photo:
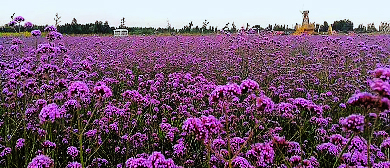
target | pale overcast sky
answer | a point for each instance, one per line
(156, 13)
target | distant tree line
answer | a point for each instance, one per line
(90, 28)
(344, 26)
(8, 29)
(100, 27)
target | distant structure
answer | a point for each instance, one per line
(330, 30)
(121, 32)
(306, 27)
(305, 17)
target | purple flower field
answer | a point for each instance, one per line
(225, 100)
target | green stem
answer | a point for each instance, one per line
(81, 150)
(342, 151)
(80, 139)
(208, 156)
(284, 158)
(369, 143)
(228, 134)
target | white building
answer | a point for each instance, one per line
(121, 32)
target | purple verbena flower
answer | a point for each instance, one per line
(19, 19)
(48, 144)
(28, 25)
(53, 35)
(179, 149)
(73, 151)
(381, 87)
(133, 95)
(20, 143)
(74, 165)
(5, 152)
(354, 122)
(138, 163)
(103, 91)
(240, 162)
(264, 104)
(78, 89)
(50, 112)
(248, 84)
(36, 33)
(386, 143)
(262, 153)
(50, 28)
(41, 161)
(14, 48)
(295, 159)
(12, 23)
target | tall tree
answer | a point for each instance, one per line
(269, 28)
(317, 28)
(371, 28)
(360, 29)
(106, 28)
(190, 26)
(257, 28)
(74, 21)
(324, 27)
(57, 20)
(343, 25)
(204, 26)
(75, 27)
(226, 27)
(234, 28)
(169, 27)
(122, 23)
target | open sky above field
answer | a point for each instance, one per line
(157, 13)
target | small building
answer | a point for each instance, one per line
(121, 32)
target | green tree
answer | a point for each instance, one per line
(234, 28)
(371, 28)
(343, 25)
(279, 27)
(360, 29)
(57, 20)
(122, 26)
(324, 27)
(75, 27)
(317, 28)
(204, 26)
(269, 28)
(226, 28)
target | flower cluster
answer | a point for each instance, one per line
(262, 153)
(137, 101)
(19, 19)
(73, 151)
(36, 33)
(102, 90)
(202, 127)
(53, 35)
(50, 28)
(248, 84)
(41, 161)
(222, 91)
(50, 113)
(28, 25)
(156, 159)
(354, 122)
(78, 89)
